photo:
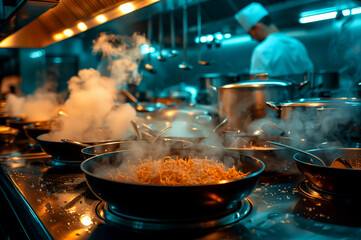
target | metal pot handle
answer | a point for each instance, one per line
(302, 84)
(274, 106)
(213, 88)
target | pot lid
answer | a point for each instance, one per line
(322, 102)
(259, 84)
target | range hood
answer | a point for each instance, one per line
(39, 23)
(16, 14)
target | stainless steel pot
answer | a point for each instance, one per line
(207, 82)
(243, 102)
(321, 119)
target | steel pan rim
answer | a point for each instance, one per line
(85, 162)
(85, 150)
(321, 166)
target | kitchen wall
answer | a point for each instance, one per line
(232, 56)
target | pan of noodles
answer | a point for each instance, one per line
(181, 185)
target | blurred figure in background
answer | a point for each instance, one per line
(276, 54)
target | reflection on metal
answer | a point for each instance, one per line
(69, 18)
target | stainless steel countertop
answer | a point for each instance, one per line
(55, 203)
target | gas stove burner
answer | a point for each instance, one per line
(144, 224)
(309, 190)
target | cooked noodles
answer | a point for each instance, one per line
(176, 172)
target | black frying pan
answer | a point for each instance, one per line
(341, 181)
(62, 151)
(171, 202)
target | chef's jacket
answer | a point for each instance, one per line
(280, 55)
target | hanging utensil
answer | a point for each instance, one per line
(173, 52)
(160, 38)
(184, 65)
(148, 65)
(199, 33)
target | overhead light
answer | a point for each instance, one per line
(68, 32)
(318, 17)
(346, 12)
(355, 11)
(328, 13)
(126, 8)
(101, 18)
(58, 36)
(82, 26)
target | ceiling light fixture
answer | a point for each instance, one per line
(318, 17)
(126, 8)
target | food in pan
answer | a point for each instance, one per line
(176, 172)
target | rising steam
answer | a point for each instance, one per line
(122, 55)
(41, 106)
(92, 112)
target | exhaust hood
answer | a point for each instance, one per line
(15, 14)
(39, 23)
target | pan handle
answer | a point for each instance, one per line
(273, 105)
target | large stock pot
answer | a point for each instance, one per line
(243, 102)
(321, 119)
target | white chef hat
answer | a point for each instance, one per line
(250, 15)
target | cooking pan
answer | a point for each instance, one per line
(339, 181)
(33, 130)
(173, 203)
(276, 159)
(19, 123)
(166, 143)
(62, 151)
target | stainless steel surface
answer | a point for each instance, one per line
(55, 203)
(244, 102)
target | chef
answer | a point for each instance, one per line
(276, 54)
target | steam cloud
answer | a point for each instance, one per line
(41, 106)
(122, 55)
(92, 113)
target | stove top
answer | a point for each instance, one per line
(53, 202)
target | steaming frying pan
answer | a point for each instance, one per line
(131, 144)
(171, 202)
(339, 181)
(61, 151)
(276, 159)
